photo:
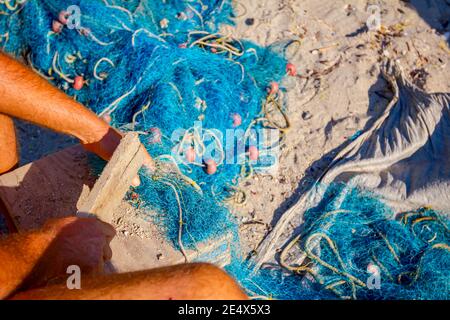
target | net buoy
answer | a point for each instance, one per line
(253, 153)
(62, 17)
(211, 166)
(78, 83)
(237, 120)
(273, 88)
(57, 26)
(291, 69)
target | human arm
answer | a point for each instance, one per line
(32, 258)
(27, 96)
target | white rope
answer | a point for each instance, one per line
(96, 76)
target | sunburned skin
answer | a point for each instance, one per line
(33, 265)
(9, 157)
(27, 96)
(197, 281)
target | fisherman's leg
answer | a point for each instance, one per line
(9, 156)
(189, 281)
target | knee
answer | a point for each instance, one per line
(213, 283)
(9, 155)
(9, 161)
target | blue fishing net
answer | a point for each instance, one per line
(160, 68)
(355, 247)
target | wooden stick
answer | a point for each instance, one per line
(115, 180)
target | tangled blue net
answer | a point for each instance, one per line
(354, 248)
(162, 69)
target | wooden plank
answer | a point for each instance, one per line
(115, 180)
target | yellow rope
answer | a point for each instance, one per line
(273, 101)
(352, 280)
(336, 252)
(390, 248)
(180, 221)
(220, 42)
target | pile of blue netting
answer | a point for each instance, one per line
(161, 68)
(355, 247)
